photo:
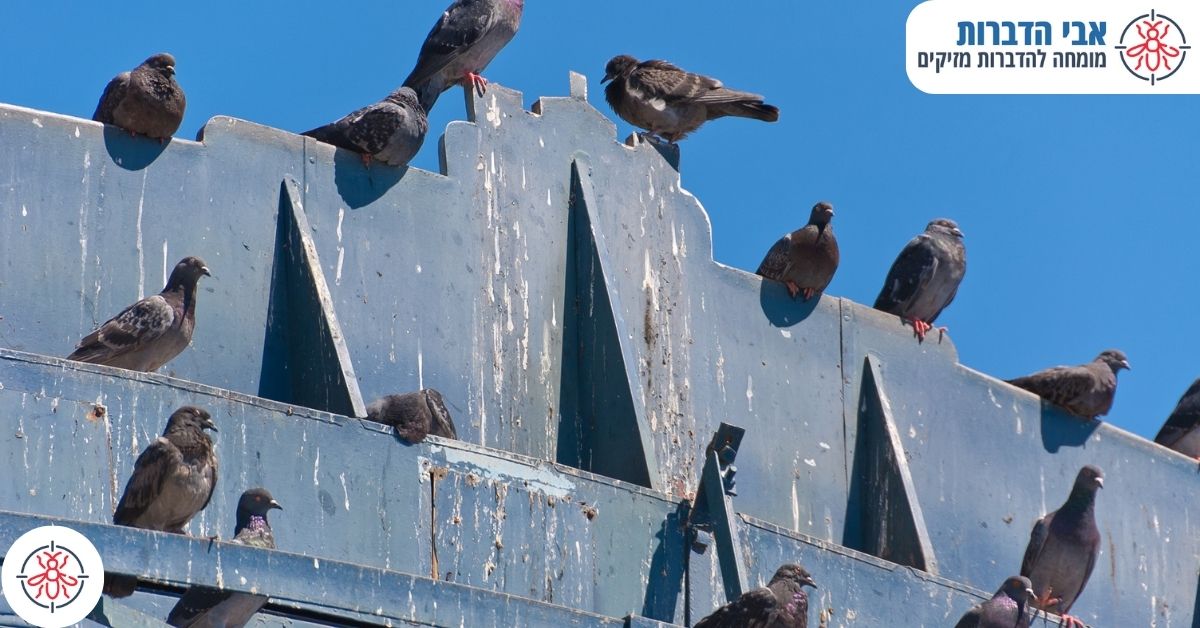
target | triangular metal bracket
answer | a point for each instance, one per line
(893, 523)
(713, 514)
(306, 361)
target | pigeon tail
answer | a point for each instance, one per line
(116, 586)
(427, 93)
(756, 110)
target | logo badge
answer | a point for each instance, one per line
(52, 576)
(1153, 47)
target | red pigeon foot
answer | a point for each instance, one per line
(1072, 622)
(808, 293)
(920, 328)
(366, 159)
(478, 82)
(793, 289)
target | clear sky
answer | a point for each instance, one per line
(1080, 213)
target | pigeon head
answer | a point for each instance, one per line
(620, 65)
(256, 502)
(795, 573)
(162, 62)
(1018, 588)
(1089, 479)
(821, 214)
(190, 418)
(1115, 360)
(944, 226)
(187, 272)
(406, 97)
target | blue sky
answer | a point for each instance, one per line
(1080, 212)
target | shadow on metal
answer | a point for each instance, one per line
(780, 308)
(360, 185)
(131, 152)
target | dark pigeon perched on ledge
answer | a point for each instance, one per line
(391, 130)
(1063, 548)
(1086, 391)
(206, 606)
(925, 276)
(151, 332)
(805, 259)
(461, 45)
(783, 603)
(146, 101)
(173, 480)
(1006, 609)
(1181, 432)
(670, 102)
(414, 415)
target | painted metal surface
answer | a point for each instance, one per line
(558, 287)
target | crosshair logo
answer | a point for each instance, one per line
(52, 576)
(1153, 47)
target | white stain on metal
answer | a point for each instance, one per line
(501, 470)
(164, 266)
(493, 112)
(337, 278)
(141, 255)
(345, 492)
(785, 333)
(810, 462)
(795, 508)
(24, 212)
(317, 468)
(420, 366)
(83, 233)
(37, 122)
(750, 393)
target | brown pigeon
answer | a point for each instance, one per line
(391, 130)
(806, 258)
(470, 34)
(783, 603)
(1086, 391)
(925, 277)
(415, 415)
(1063, 548)
(151, 332)
(145, 101)
(173, 480)
(670, 102)
(1006, 609)
(206, 606)
(1181, 432)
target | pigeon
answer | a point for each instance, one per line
(172, 481)
(669, 102)
(1085, 391)
(925, 277)
(1063, 548)
(1182, 429)
(415, 415)
(1006, 609)
(783, 603)
(145, 101)
(209, 607)
(151, 332)
(461, 45)
(391, 130)
(806, 258)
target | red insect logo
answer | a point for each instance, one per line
(1153, 47)
(1152, 51)
(52, 576)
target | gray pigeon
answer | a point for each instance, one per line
(806, 258)
(1086, 391)
(415, 415)
(209, 607)
(461, 45)
(1182, 429)
(1063, 548)
(1006, 609)
(146, 101)
(173, 480)
(151, 332)
(669, 102)
(783, 603)
(391, 130)
(925, 277)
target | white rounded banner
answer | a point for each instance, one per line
(1061, 47)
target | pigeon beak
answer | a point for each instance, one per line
(1031, 594)
(1100, 482)
(209, 425)
(204, 271)
(809, 581)
(957, 232)
(1125, 363)
(275, 504)
(607, 78)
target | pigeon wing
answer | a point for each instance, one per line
(461, 26)
(1060, 385)
(775, 264)
(911, 271)
(661, 80)
(1184, 419)
(441, 423)
(1037, 540)
(132, 329)
(113, 94)
(754, 609)
(366, 130)
(971, 619)
(145, 485)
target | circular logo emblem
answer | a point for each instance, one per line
(52, 576)
(1153, 47)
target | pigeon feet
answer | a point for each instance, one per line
(920, 328)
(366, 159)
(477, 82)
(1071, 622)
(793, 289)
(809, 292)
